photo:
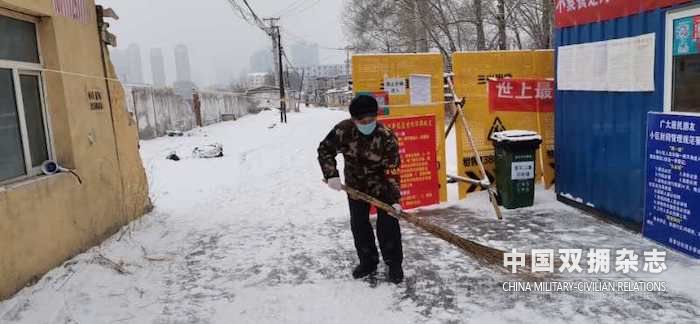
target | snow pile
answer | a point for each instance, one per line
(516, 136)
(256, 237)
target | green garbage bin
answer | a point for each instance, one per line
(515, 167)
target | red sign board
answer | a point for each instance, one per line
(419, 166)
(580, 12)
(521, 95)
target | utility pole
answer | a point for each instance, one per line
(347, 65)
(283, 99)
(271, 29)
(274, 32)
(301, 90)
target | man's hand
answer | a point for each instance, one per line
(335, 184)
(397, 207)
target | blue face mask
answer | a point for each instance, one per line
(368, 128)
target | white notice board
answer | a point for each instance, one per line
(619, 65)
(421, 89)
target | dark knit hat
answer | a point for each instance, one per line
(363, 106)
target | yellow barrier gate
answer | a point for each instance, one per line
(472, 72)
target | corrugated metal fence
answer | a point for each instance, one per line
(160, 110)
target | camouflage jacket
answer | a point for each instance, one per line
(371, 161)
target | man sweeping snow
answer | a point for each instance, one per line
(372, 160)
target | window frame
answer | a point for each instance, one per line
(671, 17)
(18, 69)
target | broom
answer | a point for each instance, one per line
(484, 254)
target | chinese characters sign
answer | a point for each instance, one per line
(395, 86)
(672, 215)
(95, 99)
(580, 12)
(419, 167)
(522, 170)
(521, 95)
(596, 261)
(686, 36)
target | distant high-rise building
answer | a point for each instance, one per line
(261, 61)
(182, 63)
(305, 54)
(134, 71)
(158, 67)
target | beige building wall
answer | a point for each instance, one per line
(48, 219)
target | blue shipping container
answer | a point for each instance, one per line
(601, 136)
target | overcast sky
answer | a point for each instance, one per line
(220, 42)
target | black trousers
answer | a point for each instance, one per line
(388, 233)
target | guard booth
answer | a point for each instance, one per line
(616, 62)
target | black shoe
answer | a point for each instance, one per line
(395, 274)
(362, 271)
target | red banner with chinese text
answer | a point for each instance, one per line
(419, 167)
(521, 95)
(580, 12)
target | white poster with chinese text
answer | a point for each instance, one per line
(395, 86)
(619, 65)
(420, 85)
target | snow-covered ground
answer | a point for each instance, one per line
(255, 237)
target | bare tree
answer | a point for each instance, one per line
(372, 26)
(479, 23)
(500, 17)
(448, 25)
(535, 20)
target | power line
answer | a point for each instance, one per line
(294, 4)
(248, 15)
(301, 9)
(273, 30)
(255, 16)
(239, 12)
(299, 6)
(257, 22)
(300, 38)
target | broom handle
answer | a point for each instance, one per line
(374, 201)
(482, 252)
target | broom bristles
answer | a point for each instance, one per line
(488, 255)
